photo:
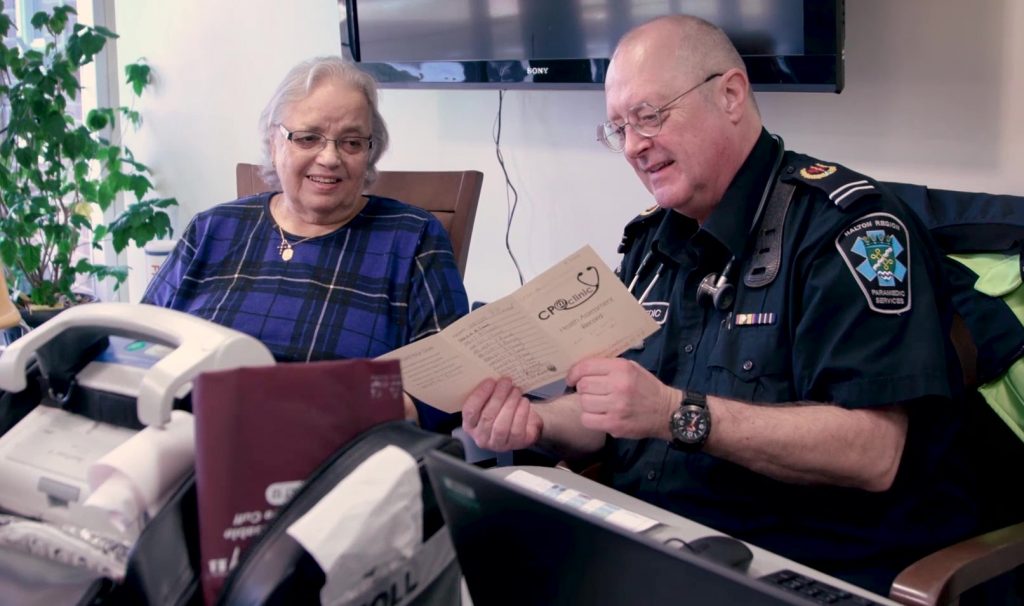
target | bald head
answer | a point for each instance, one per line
(689, 47)
(689, 77)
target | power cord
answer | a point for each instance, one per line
(511, 201)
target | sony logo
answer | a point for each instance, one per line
(537, 71)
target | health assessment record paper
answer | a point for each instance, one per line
(575, 310)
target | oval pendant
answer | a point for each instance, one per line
(286, 254)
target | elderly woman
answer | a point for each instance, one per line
(317, 270)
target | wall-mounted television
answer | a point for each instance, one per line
(788, 45)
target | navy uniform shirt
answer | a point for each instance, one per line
(857, 316)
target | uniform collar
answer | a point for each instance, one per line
(673, 234)
(730, 221)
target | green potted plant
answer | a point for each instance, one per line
(58, 177)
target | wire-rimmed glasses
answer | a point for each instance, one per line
(645, 119)
(312, 141)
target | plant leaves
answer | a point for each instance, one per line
(137, 74)
(104, 31)
(40, 20)
(29, 257)
(5, 26)
(59, 21)
(52, 169)
(105, 195)
(119, 239)
(74, 49)
(140, 185)
(97, 119)
(8, 251)
(98, 233)
(91, 44)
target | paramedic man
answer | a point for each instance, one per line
(821, 405)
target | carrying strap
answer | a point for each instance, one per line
(966, 222)
(763, 267)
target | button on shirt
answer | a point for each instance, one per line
(816, 341)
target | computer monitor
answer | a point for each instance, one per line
(519, 547)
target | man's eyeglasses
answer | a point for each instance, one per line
(645, 119)
(311, 141)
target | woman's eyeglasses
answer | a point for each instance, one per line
(312, 141)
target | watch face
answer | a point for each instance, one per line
(691, 424)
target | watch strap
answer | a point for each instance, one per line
(695, 398)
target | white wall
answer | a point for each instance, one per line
(214, 63)
(933, 95)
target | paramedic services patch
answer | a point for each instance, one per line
(877, 251)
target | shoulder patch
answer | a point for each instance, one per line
(876, 249)
(639, 223)
(842, 185)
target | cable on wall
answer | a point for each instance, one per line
(511, 199)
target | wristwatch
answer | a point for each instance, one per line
(690, 424)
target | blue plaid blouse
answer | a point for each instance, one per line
(384, 279)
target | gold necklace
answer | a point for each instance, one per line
(285, 248)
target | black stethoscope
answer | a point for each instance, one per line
(715, 290)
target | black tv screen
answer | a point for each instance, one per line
(788, 45)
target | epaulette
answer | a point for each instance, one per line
(638, 224)
(842, 185)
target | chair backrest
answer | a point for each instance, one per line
(452, 197)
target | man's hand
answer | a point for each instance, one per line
(498, 417)
(621, 398)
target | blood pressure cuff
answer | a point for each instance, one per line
(27, 579)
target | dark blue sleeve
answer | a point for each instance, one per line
(433, 419)
(168, 279)
(437, 296)
(856, 345)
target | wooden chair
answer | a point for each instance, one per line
(452, 197)
(942, 577)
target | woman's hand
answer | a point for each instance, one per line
(499, 418)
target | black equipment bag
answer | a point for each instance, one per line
(277, 570)
(964, 222)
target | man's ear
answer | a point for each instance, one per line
(733, 93)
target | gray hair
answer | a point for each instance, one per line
(297, 85)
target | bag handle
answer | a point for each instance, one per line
(200, 346)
